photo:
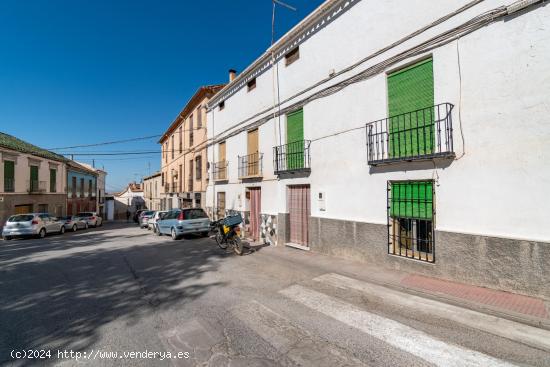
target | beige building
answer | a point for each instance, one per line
(184, 173)
(152, 186)
(32, 179)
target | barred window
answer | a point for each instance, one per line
(411, 216)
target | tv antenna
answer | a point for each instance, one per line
(283, 4)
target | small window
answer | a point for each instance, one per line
(292, 56)
(411, 219)
(221, 106)
(251, 84)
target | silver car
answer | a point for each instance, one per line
(32, 224)
(91, 218)
(183, 221)
(144, 218)
(73, 223)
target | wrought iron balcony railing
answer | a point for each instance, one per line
(292, 157)
(166, 188)
(9, 184)
(174, 187)
(219, 171)
(422, 134)
(190, 183)
(250, 165)
(36, 187)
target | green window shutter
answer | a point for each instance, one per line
(53, 180)
(295, 140)
(412, 199)
(9, 176)
(34, 178)
(411, 89)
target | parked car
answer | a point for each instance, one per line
(73, 223)
(32, 224)
(178, 222)
(145, 217)
(153, 222)
(91, 218)
(137, 214)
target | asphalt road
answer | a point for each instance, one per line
(106, 293)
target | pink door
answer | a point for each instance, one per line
(255, 210)
(299, 211)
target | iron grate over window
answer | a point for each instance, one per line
(219, 171)
(422, 134)
(411, 219)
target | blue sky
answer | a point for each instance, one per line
(83, 72)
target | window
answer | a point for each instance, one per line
(43, 208)
(198, 168)
(180, 176)
(162, 179)
(73, 188)
(166, 152)
(90, 187)
(181, 139)
(221, 106)
(173, 146)
(411, 118)
(81, 188)
(251, 84)
(292, 56)
(411, 219)
(191, 127)
(34, 179)
(53, 180)
(199, 117)
(9, 176)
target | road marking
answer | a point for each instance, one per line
(529, 335)
(398, 335)
(293, 342)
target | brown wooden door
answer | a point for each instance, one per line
(252, 160)
(222, 174)
(299, 208)
(255, 212)
(221, 204)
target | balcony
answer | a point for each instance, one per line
(418, 135)
(174, 187)
(250, 166)
(292, 157)
(219, 171)
(190, 184)
(166, 188)
(9, 184)
(36, 187)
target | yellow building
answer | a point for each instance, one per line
(184, 174)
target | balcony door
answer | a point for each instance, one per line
(410, 107)
(34, 178)
(252, 161)
(221, 156)
(295, 140)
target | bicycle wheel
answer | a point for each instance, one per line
(220, 241)
(238, 246)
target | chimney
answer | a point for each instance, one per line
(232, 74)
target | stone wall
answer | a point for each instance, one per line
(506, 264)
(9, 201)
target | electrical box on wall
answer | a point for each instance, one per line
(322, 201)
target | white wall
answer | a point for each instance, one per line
(499, 187)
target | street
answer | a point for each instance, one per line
(120, 289)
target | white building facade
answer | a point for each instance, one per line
(410, 135)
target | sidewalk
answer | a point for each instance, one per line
(520, 308)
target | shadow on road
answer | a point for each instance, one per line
(57, 293)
